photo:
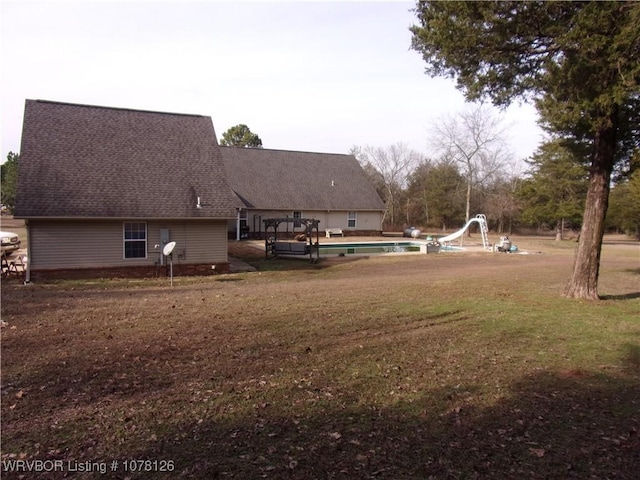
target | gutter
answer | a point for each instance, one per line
(238, 224)
(142, 219)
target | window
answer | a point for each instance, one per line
(351, 220)
(297, 215)
(243, 224)
(135, 240)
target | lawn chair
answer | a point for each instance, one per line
(18, 267)
(5, 266)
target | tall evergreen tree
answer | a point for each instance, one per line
(437, 192)
(624, 208)
(579, 60)
(556, 188)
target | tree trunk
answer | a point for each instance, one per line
(391, 208)
(426, 212)
(407, 213)
(467, 214)
(559, 229)
(584, 280)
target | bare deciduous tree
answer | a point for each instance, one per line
(475, 140)
(394, 164)
(501, 204)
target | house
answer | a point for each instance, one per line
(104, 189)
(331, 188)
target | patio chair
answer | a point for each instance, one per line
(18, 267)
(5, 266)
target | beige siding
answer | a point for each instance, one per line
(364, 220)
(196, 242)
(90, 244)
(335, 219)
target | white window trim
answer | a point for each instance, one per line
(354, 218)
(125, 240)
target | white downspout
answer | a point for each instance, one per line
(27, 275)
(238, 224)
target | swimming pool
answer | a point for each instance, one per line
(363, 248)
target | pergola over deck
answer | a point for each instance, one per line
(274, 247)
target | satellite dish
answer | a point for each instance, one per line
(168, 248)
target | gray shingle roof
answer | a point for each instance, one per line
(87, 161)
(288, 180)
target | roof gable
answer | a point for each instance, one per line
(289, 180)
(88, 161)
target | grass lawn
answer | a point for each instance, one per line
(452, 366)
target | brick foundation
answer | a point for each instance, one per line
(362, 233)
(128, 272)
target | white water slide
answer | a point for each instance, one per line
(481, 220)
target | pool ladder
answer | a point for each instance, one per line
(484, 230)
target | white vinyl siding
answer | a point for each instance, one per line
(91, 244)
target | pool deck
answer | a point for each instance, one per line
(469, 245)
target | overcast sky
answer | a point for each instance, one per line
(311, 76)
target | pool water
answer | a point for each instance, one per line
(355, 248)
